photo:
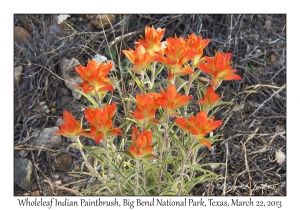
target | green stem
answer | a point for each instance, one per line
(143, 82)
(87, 162)
(183, 165)
(194, 155)
(153, 75)
(98, 100)
(189, 84)
(137, 162)
(162, 153)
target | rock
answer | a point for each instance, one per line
(55, 176)
(63, 162)
(101, 21)
(273, 58)
(59, 122)
(21, 35)
(71, 77)
(65, 100)
(279, 157)
(258, 51)
(23, 173)
(18, 74)
(47, 138)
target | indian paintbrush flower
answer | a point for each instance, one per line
(152, 39)
(142, 142)
(197, 44)
(140, 58)
(71, 127)
(170, 100)
(210, 99)
(146, 107)
(100, 121)
(219, 68)
(95, 77)
(199, 126)
(176, 55)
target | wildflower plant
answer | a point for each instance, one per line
(154, 151)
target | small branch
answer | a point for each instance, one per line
(247, 168)
(276, 92)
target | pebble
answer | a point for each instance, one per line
(63, 162)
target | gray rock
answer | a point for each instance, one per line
(47, 138)
(71, 77)
(63, 162)
(23, 173)
(65, 100)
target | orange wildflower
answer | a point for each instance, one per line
(210, 99)
(199, 126)
(219, 67)
(95, 77)
(71, 127)
(171, 100)
(142, 142)
(177, 54)
(197, 44)
(140, 58)
(146, 107)
(152, 39)
(100, 121)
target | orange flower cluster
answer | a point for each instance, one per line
(209, 99)
(176, 55)
(142, 142)
(180, 56)
(199, 126)
(71, 127)
(95, 77)
(219, 68)
(100, 121)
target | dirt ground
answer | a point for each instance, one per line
(254, 128)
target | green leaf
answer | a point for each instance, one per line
(137, 81)
(149, 156)
(158, 70)
(183, 84)
(168, 175)
(203, 88)
(127, 154)
(195, 75)
(180, 146)
(111, 51)
(74, 145)
(95, 149)
(144, 190)
(88, 97)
